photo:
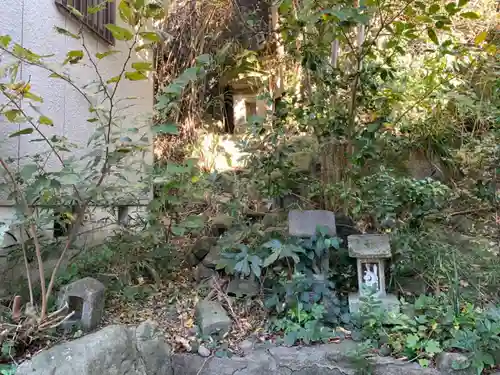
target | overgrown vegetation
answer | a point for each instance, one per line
(388, 113)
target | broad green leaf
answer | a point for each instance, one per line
(481, 37)
(411, 341)
(44, 120)
(127, 14)
(155, 11)
(21, 132)
(62, 31)
(135, 76)
(178, 231)
(271, 258)
(149, 35)
(433, 347)
(424, 362)
(5, 40)
(169, 128)
(12, 114)
(68, 178)
(434, 8)
(113, 79)
(73, 57)
(104, 54)
(28, 170)
(451, 8)
(461, 3)
(470, 15)
(25, 53)
(120, 33)
(433, 36)
(142, 66)
(290, 338)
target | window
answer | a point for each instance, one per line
(95, 22)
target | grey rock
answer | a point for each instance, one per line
(246, 346)
(86, 298)
(202, 246)
(110, 351)
(204, 351)
(202, 273)
(212, 258)
(369, 246)
(212, 318)
(153, 350)
(445, 363)
(243, 287)
(305, 223)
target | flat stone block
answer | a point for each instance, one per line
(212, 318)
(369, 246)
(390, 303)
(305, 223)
(86, 298)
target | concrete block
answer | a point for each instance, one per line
(212, 318)
(86, 298)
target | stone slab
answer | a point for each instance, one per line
(305, 223)
(390, 303)
(369, 246)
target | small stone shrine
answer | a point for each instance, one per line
(84, 297)
(371, 252)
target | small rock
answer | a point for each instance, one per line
(202, 246)
(204, 351)
(246, 346)
(445, 363)
(202, 273)
(220, 224)
(243, 287)
(212, 258)
(212, 318)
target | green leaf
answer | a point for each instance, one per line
(75, 11)
(135, 76)
(28, 170)
(470, 15)
(21, 132)
(169, 128)
(30, 95)
(127, 14)
(203, 59)
(68, 178)
(149, 35)
(73, 57)
(142, 66)
(434, 8)
(62, 31)
(97, 8)
(12, 114)
(113, 79)
(433, 347)
(412, 341)
(290, 338)
(271, 258)
(433, 36)
(461, 3)
(119, 33)
(424, 362)
(178, 231)
(104, 54)
(139, 4)
(480, 38)
(5, 40)
(44, 120)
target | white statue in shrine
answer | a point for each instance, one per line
(370, 276)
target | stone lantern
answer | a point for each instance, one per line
(371, 252)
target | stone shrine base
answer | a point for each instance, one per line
(389, 302)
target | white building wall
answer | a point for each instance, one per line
(31, 24)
